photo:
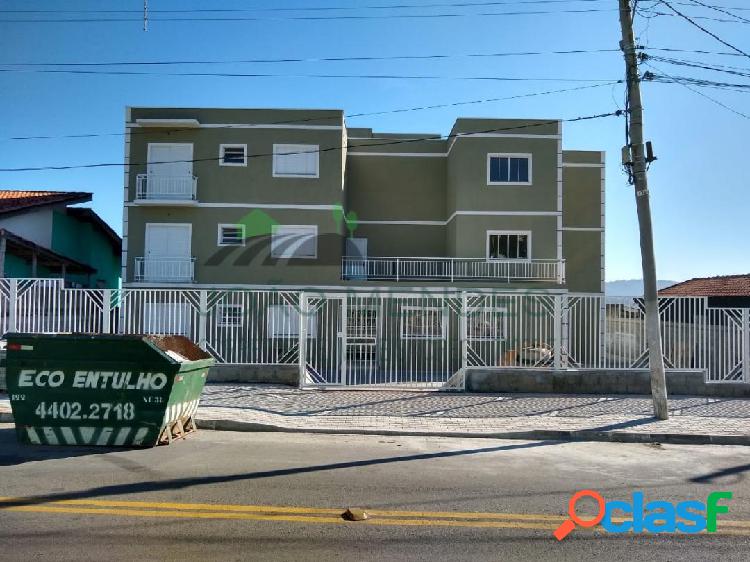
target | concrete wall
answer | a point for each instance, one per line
(396, 188)
(467, 176)
(471, 234)
(268, 374)
(583, 220)
(595, 382)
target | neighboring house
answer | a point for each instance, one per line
(251, 197)
(725, 291)
(42, 236)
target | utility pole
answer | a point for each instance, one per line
(636, 150)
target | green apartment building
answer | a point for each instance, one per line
(248, 198)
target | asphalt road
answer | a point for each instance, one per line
(274, 496)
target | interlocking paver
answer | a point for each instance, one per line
(434, 412)
(373, 411)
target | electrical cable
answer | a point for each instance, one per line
(703, 29)
(327, 149)
(280, 75)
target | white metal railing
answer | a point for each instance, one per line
(396, 338)
(165, 270)
(452, 269)
(169, 188)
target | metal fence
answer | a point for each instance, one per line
(420, 339)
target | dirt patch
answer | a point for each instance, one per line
(179, 344)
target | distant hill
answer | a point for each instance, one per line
(631, 287)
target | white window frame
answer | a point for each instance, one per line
(312, 325)
(483, 311)
(284, 149)
(443, 323)
(526, 233)
(149, 158)
(219, 238)
(237, 322)
(526, 155)
(222, 147)
(274, 230)
(353, 308)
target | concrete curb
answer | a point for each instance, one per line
(532, 435)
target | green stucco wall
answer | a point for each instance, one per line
(18, 267)
(83, 242)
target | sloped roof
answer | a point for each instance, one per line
(89, 215)
(13, 201)
(721, 286)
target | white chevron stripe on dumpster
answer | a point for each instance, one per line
(87, 435)
(68, 436)
(122, 435)
(104, 436)
(33, 436)
(140, 435)
(50, 435)
(180, 410)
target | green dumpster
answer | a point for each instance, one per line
(107, 390)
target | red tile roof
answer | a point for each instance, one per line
(722, 286)
(14, 200)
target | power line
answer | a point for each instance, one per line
(693, 51)
(314, 8)
(720, 10)
(312, 18)
(703, 29)
(316, 59)
(351, 116)
(711, 99)
(327, 149)
(278, 75)
(698, 82)
(736, 71)
(337, 8)
(360, 58)
(654, 13)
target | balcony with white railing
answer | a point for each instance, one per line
(164, 270)
(452, 269)
(152, 188)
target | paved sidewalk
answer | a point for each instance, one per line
(247, 407)
(524, 416)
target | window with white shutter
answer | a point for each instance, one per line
(294, 241)
(231, 235)
(296, 160)
(233, 155)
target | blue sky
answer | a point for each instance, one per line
(699, 187)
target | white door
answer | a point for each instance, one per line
(170, 159)
(168, 241)
(168, 252)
